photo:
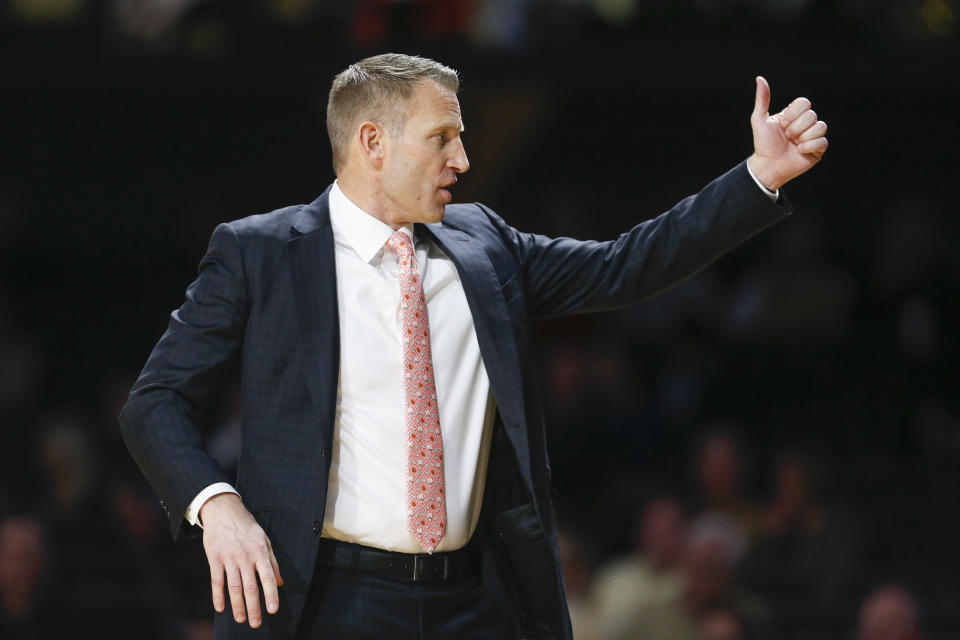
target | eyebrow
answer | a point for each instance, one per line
(449, 124)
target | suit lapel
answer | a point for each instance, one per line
(494, 333)
(315, 287)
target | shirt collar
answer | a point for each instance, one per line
(364, 233)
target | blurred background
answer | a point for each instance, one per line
(769, 450)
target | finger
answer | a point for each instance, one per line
(251, 593)
(269, 581)
(803, 122)
(815, 147)
(818, 130)
(276, 567)
(216, 584)
(761, 103)
(235, 587)
(794, 109)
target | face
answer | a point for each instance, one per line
(662, 533)
(720, 469)
(421, 164)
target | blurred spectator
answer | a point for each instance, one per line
(95, 533)
(720, 470)
(69, 466)
(808, 556)
(713, 549)
(648, 577)
(708, 571)
(890, 613)
(576, 559)
(136, 514)
(27, 610)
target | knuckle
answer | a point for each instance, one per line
(251, 589)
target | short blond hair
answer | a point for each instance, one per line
(375, 89)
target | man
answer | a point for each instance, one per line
(394, 473)
(649, 578)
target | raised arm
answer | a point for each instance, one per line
(564, 276)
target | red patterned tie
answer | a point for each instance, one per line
(426, 508)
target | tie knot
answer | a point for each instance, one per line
(401, 243)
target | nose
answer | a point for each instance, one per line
(458, 162)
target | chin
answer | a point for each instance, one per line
(436, 215)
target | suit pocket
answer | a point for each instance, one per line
(534, 571)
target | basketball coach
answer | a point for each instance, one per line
(393, 479)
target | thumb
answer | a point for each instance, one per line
(761, 104)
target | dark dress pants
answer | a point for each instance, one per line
(348, 605)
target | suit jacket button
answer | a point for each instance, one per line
(316, 526)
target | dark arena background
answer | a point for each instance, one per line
(769, 450)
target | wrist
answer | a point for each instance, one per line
(764, 173)
(216, 505)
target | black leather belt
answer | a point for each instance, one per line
(415, 567)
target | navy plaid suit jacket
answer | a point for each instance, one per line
(266, 296)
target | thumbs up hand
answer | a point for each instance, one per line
(786, 144)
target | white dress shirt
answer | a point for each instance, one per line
(366, 500)
(366, 493)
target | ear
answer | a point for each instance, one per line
(371, 139)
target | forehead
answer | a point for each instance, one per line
(431, 104)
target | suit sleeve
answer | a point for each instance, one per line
(182, 374)
(564, 276)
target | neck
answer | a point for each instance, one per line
(365, 192)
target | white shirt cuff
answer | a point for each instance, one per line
(774, 195)
(192, 514)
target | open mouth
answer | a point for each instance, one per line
(445, 189)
